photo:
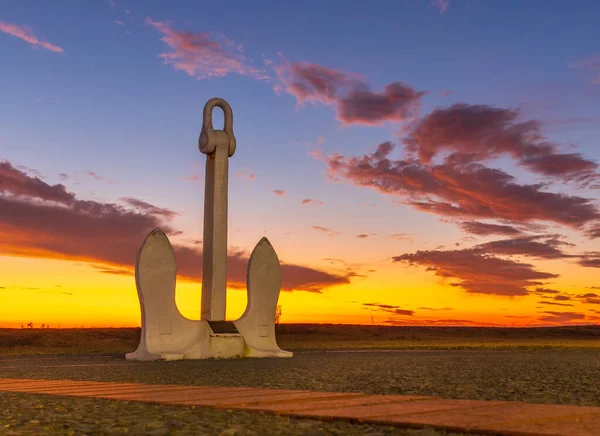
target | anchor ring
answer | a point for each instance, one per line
(209, 137)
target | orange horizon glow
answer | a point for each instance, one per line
(81, 297)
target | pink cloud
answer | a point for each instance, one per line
(26, 34)
(460, 188)
(203, 55)
(479, 132)
(355, 103)
(313, 83)
(279, 192)
(397, 102)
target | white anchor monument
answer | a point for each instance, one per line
(166, 334)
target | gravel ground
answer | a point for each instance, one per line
(543, 376)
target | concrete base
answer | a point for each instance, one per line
(168, 335)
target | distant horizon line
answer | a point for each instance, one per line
(25, 327)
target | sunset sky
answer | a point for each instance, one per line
(413, 162)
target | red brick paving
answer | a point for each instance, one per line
(495, 417)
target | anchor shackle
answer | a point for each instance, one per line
(209, 137)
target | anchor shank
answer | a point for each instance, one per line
(214, 258)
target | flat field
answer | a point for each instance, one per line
(316, 337)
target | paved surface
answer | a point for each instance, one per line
(493, 417)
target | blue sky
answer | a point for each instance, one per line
(100, 106)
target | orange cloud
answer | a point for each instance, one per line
(26, 34)
(40, 220)
(279, 192)
(203, 55)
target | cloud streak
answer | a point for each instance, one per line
(26, 34)
(203, 55)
